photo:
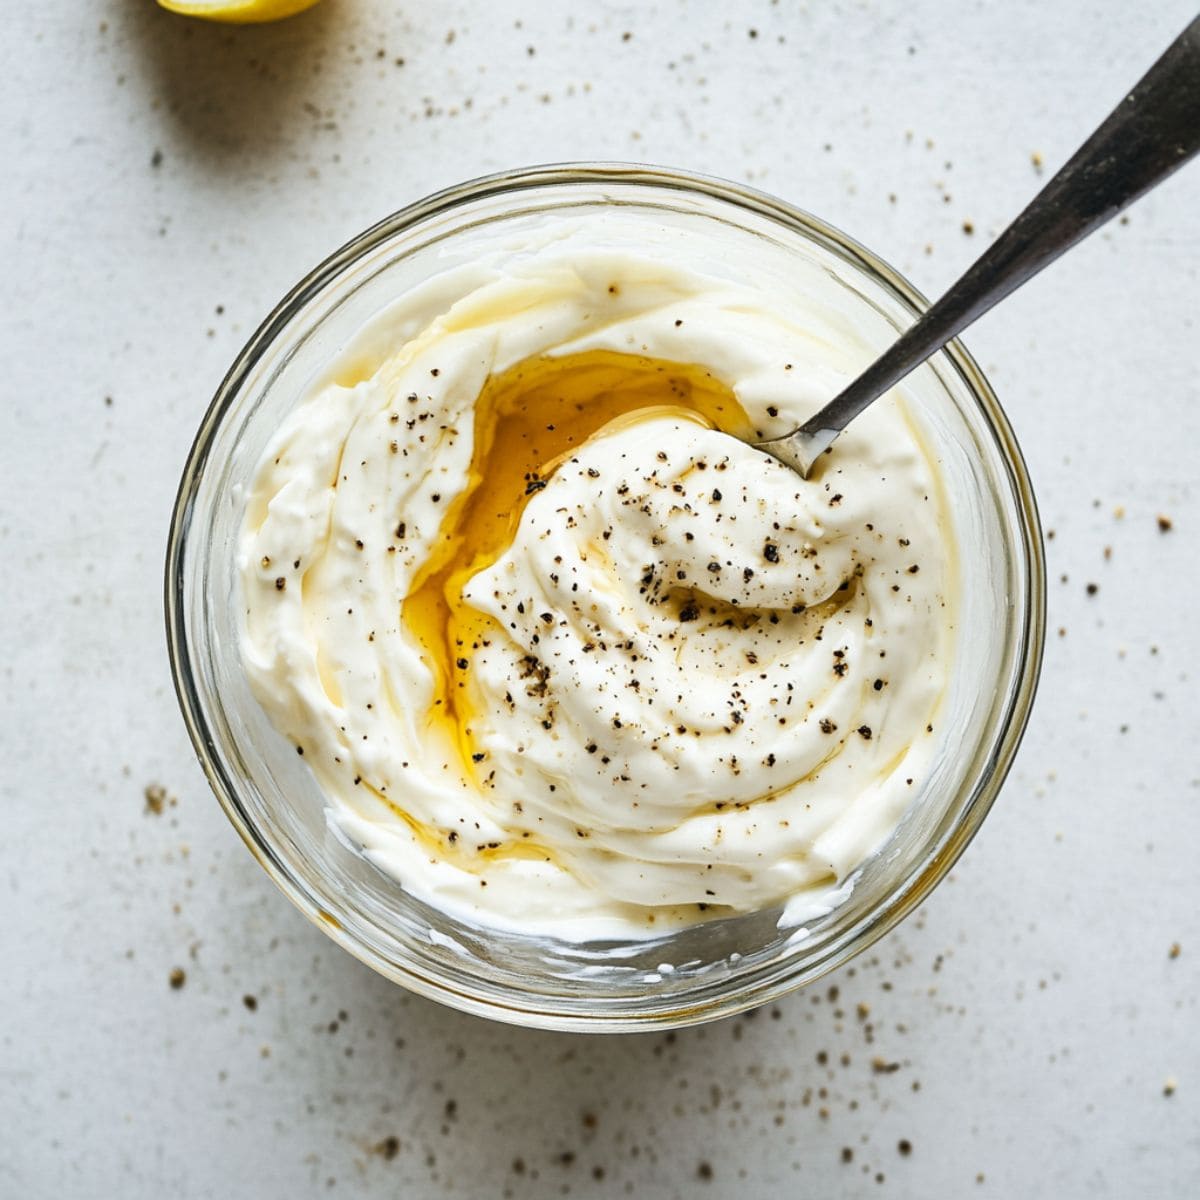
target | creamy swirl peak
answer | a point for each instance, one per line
(565, 654)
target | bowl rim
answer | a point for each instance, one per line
(484, 1001)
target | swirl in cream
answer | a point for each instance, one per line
(563, 654)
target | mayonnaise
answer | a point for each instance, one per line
(563, 657)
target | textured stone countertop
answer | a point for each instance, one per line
(171, 1026)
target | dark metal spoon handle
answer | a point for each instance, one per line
(1150, 134)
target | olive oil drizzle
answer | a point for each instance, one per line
(528, 419)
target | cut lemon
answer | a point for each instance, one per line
(238, 12)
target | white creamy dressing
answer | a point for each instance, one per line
(639, 760)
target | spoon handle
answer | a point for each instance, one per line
(1150, 134)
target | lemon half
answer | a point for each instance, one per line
(238, 12)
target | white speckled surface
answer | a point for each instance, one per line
(167, 182)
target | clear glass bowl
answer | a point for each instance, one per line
(719, 968)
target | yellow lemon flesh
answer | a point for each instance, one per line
(238, 12)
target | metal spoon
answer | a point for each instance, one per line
(1150, 134)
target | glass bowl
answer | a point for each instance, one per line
(718, 968)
